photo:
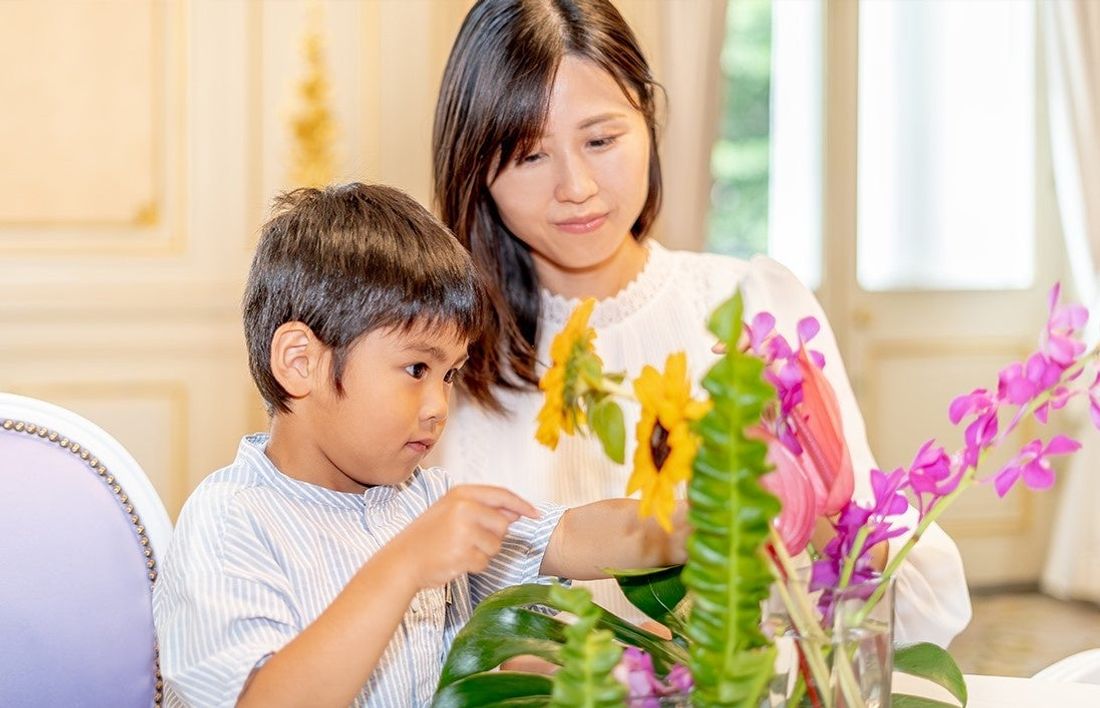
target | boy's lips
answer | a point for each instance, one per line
(422, 445)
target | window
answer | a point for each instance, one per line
(946, 145)
(766, 163)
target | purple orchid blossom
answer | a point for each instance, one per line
(1032, 466)
(1043, 382)
(644, 688)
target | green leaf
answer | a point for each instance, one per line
(502, 627)
(606, 419)
(726, 319)
(659, 593)
(495, 635)
(730, 515)
(931, 662)
(588, 657)
(903, 700)
(497, 688)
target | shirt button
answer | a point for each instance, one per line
(415, 605)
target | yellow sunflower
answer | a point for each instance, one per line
(666, 444)
(571, 353)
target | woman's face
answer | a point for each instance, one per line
(574, 197)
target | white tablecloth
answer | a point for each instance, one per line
(1006, 692)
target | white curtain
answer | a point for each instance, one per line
(683, 42)
(1072, 39)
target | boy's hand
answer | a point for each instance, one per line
(460, 533)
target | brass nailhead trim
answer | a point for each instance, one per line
(20, 426)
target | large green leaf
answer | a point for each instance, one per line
(665, 653)
(497, 634)
(498, 688)
(931, 662)
(659, 593)
(588, 657)
(502, 627)
(730, 515)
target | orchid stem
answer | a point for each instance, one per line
(850, 561)
(895, 562)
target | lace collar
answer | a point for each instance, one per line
(638, 292)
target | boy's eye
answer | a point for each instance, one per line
(417, 370)
(450, 376)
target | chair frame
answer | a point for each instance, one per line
(116, 467)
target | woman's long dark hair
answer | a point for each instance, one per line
(492, 106)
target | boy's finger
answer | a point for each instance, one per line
(503, 499)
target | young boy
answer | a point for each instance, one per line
(324, 567)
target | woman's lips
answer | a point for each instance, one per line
(582, 225)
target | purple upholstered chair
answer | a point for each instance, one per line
(81, 528)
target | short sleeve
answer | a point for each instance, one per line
(520, 555)
(221, 608)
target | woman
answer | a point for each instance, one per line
(546, 169)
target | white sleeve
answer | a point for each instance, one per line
(932, 600)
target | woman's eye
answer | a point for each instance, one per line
(417, 371)
(529, 159)
(602, 142)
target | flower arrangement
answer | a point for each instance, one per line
(766, 464)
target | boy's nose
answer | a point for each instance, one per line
(434, 406)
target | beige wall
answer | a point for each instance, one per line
(140, 143)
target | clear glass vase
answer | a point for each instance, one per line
(675, 700)
(847, 662)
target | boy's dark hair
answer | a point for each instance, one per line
(347, 260)
(492, 107)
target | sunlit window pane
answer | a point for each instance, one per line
(946, 145)
(766, 163)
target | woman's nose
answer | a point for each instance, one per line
(576, 183)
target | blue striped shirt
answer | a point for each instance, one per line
(257, 556)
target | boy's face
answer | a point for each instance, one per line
(393, 409)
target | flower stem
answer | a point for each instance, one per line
(853, 555)
(892, 566)
(798, 605)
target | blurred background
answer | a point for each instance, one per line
(930, 168)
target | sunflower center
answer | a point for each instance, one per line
(658, 445)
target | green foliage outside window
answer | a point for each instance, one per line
(740, 159)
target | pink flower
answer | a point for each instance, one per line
(931, 470)
(1064, 321)
(983, 429)
(790, 483)
(1094, 401)
(1019, 384)
(644, 689)
(817, 425)
(1032, 465)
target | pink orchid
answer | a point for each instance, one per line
(644, 688)
(1063, 323)
(1094, 401)
(983, 429)
(1019, 384)
(1032, 465)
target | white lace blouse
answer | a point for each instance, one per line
(662, 311)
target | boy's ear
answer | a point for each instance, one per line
(296, 358)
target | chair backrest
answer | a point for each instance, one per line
(80, 530)
(1082, 667)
